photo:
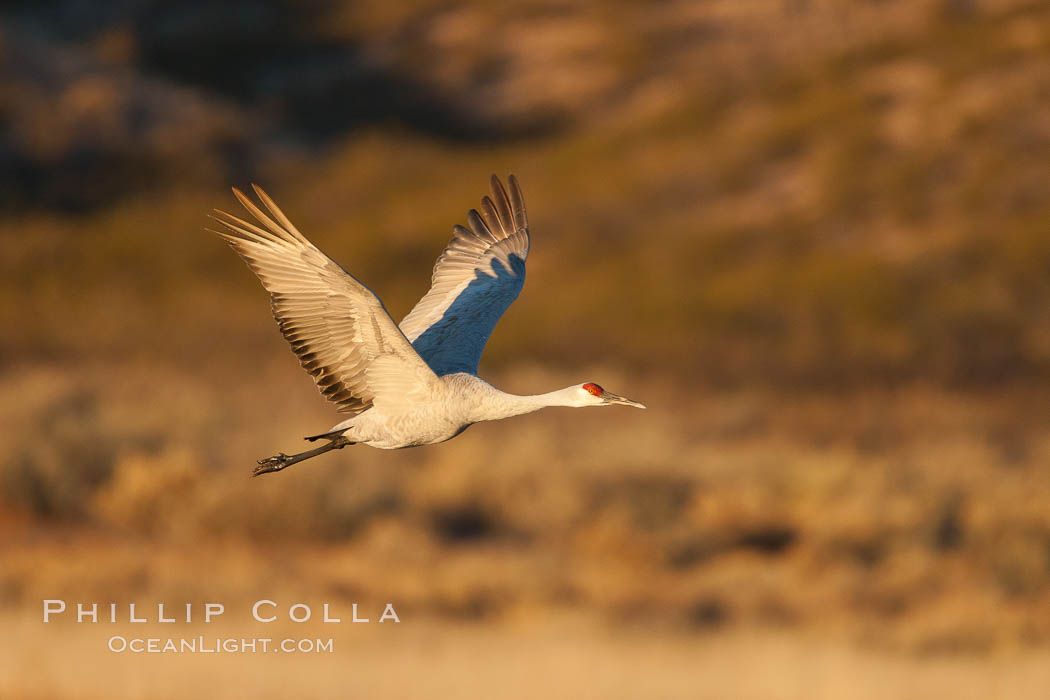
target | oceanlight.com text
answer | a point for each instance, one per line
(119, 644)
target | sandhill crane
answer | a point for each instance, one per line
(411, 385)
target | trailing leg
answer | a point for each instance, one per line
(283, 461)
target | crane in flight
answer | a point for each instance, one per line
(408, 385)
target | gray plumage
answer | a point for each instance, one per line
(410, 385)
(476, 278)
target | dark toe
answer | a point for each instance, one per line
(271, 464)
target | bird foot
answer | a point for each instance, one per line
(272, 464)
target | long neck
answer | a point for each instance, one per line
(498, 404)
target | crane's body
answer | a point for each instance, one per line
(446, 408)
(408, 385)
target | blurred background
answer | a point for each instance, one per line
(812, 235)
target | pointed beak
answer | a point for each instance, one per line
(611, 398)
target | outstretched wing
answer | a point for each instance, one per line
(475, 279)
(338, 328)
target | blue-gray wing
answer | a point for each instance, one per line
(475, 279)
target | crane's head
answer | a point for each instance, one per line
(590, 394)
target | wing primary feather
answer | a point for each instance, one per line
(491, 216)
(517, 202)
(499, 195)
(478, 225)
(243, 228)
(276, 211)
(263, 218)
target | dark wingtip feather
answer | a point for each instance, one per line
(499, 198)
(491, 215)
(517, 203)
(478, 225)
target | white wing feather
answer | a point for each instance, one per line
(338, 328)
(476, 278)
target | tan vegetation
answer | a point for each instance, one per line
(813, 237)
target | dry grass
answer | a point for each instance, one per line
(909, 520)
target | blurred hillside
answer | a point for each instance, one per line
(799, 193)
(812, 235)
